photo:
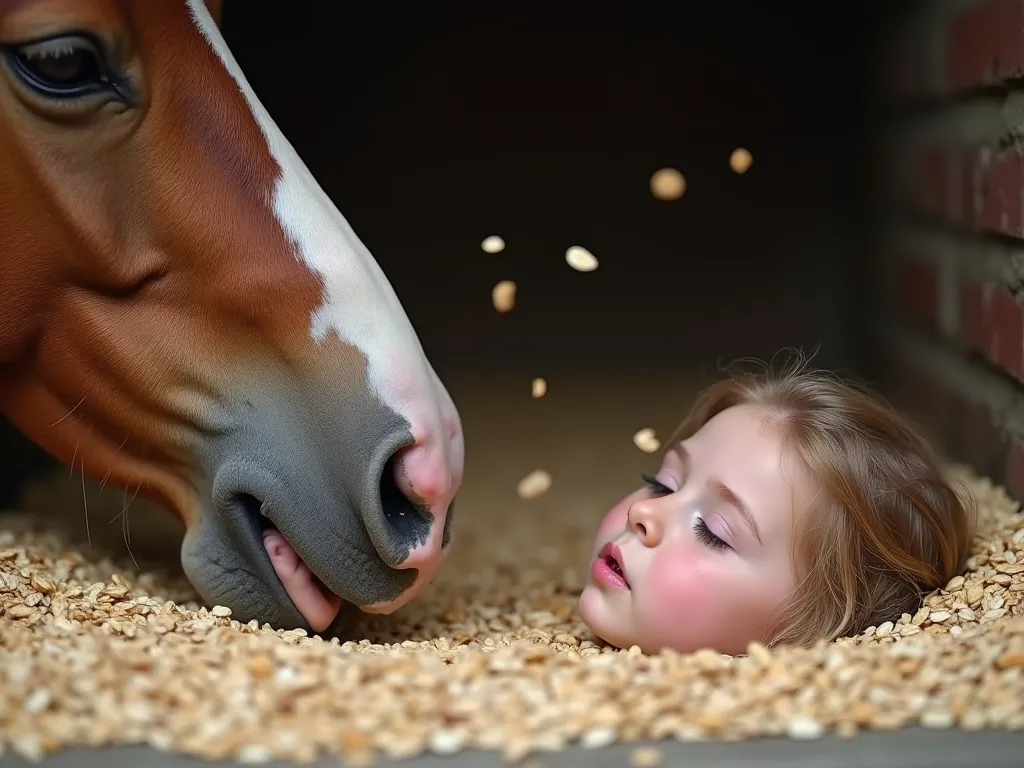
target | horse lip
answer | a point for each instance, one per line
(269, 518)
(247, 498)
(250, 525)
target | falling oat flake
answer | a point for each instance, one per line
(493, 244)
(646, 441)
(503, 295)
(580, 259)
(539, 387)
(668, 184)
(534, 484)
(741, 160)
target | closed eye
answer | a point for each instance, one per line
(704, 534)
(656, 485)
(708, 538)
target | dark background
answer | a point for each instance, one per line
(434, 125)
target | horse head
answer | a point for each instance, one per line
(187, 314)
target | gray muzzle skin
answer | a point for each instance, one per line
(326, 482)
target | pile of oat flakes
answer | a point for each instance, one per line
(493, 656)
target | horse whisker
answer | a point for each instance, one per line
(85, 497)
(124, 522)
(106, 477)
(58, 421)
(128, 539)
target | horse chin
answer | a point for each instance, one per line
(321, 569)
(232, 566)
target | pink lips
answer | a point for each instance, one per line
(607, 568)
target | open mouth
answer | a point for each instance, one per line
(317, 604)
(608, 567)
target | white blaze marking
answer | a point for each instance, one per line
(359, 305)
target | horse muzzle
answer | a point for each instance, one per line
(307, 510)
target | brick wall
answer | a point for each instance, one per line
(950, 330)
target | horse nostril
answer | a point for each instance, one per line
(252, 511)
(409, 520)
(446, 535)
(249, 503)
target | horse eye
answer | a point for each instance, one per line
(62, 67)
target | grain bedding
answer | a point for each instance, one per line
(492, 656)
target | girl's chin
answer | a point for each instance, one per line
(598, 615)
(588, 606)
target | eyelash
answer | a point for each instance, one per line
(704, 534)
(656, 485)
(707, 537)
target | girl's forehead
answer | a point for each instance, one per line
(743, 449)
(738, 440)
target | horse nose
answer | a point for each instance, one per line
(418, 489)
(424, 474)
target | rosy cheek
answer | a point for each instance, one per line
(614, 522)
(691, 599)
(676, 583)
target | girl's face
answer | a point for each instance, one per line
(702, 556)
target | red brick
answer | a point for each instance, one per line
(937, 183)
(973, 300)
(992, 322)
(1006, 329)
(986, 44)
(973, 430)
(998, 177)
(962, 428)
(926, 400)
(952, 424)
(930, 403)
(918, 291)
(985, 446)
(931, 180)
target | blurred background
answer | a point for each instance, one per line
(435, 125)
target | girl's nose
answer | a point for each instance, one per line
(645, 521)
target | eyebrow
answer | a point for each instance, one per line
(728, 496)
(738, 504)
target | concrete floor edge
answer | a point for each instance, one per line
(907, 748)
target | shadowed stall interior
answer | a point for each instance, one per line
(434, 126)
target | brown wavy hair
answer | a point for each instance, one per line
(888, 526)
